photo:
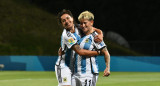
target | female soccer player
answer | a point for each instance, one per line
(87, 67)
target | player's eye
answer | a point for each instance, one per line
(81, 23)
(63, 20)
(68, 18)
(84, 23)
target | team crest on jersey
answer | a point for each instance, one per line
(71, 41)
(87, 40)
(65, 79)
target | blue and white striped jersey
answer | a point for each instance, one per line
(85, 64)
(68, 39)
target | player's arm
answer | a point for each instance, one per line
(107, 61)
(98, 38)
(83, 52)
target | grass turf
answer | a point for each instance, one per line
(36, 78)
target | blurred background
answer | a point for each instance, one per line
(30, 27)
(132, 24)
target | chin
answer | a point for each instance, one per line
(68, 28)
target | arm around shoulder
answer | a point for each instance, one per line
(83, 52)
(99, 37)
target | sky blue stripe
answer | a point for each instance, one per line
(83, 64)
(102, 43)
(88, 44)
(61, 41)
(92, 69)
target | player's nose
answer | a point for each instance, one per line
(83, 25)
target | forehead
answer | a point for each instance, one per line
(65, 16)
(84, 20)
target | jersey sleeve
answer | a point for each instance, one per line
(69, 41)
(100, 45)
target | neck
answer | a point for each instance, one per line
(90, 31)
(72, 29)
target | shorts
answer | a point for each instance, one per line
(86, 79)
(63, 75)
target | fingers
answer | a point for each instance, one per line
(97, 40)
(106, 73)
(96, 36)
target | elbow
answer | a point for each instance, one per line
(107, 54)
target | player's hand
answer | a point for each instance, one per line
(60, 51)
(98, 38)
(106, 72)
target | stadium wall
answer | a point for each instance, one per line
(118, 63)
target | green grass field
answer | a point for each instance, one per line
(30, 78)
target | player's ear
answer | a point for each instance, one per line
(92, 22)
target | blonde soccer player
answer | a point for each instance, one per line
(87, 66)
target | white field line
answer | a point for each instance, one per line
(23, 80)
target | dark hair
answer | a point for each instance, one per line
(64, 11)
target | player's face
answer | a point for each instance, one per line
(67, 21)
(86, 25)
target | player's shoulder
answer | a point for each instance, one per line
(96, 28)
(66, 33)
